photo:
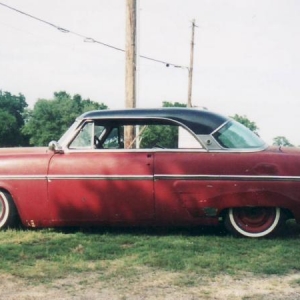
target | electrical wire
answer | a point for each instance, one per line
(88, 39)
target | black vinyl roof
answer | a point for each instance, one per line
(199, 121)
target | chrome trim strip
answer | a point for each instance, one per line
(153, 150)
(100, 177)
(250, 150)
(76, 177)
(227, 177)
(153, 177)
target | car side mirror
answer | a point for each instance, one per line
(55, 147)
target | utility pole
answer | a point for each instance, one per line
(130, 81)
(189, 102)
(130, 53)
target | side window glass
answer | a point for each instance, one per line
(142, 136)
(186, 140)
(159, 136)
(99, 133)
(166, 137)
(115, 139)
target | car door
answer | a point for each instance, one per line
(101, 186)
(181, 191)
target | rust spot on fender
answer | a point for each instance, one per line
(210, 211)
(266, 169)
(30, 223)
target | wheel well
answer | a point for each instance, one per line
(288, 214)
(10, 214)
(3, 190)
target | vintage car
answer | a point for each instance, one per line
(152, 167)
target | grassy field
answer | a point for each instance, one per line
(39, 255)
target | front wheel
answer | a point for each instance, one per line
(254, 221)
(8, 211)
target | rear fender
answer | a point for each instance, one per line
(198, 206)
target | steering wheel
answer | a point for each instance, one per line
(97, 143)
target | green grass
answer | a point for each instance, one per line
(45, 255)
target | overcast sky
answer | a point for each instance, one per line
(246, 57)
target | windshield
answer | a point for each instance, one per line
(65, 137)
(234, 135)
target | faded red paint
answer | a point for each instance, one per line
(128, 187)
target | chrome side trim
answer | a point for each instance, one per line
(227, 177)
(153, 177)
(250, 150)
(76, 177)
(100, 177)
(154, 150)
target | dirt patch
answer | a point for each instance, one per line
(153, 284)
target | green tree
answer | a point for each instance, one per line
(246, 122)
(12, 110)
(165, 136)
(282, 141)
(49, 119)
(173, 104)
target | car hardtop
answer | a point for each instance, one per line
(197, 120)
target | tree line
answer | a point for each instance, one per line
(50, 118)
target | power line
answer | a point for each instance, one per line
(88, 39)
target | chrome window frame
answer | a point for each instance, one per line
(69, 136)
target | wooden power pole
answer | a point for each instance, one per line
(130, 53)
(189, 102)
(130, 81)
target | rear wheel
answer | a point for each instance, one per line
(254, 221)
(8, 211)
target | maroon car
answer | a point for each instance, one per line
(154, 167)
